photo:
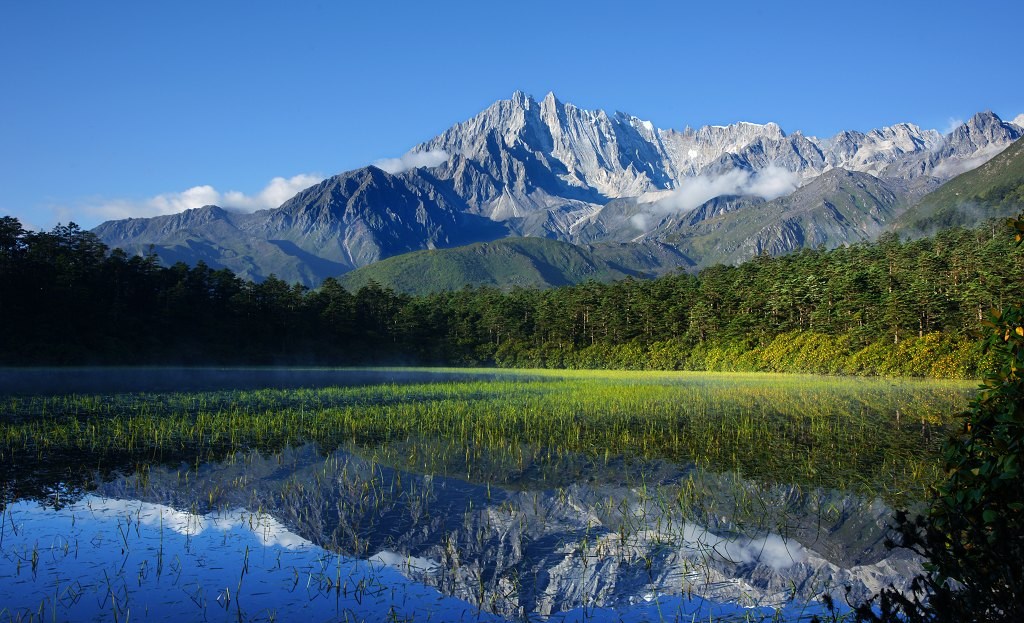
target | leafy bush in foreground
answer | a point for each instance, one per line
(973, 534)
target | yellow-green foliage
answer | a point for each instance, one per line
(934, 355)
(667, 355)
(832, 432)
(803, 351)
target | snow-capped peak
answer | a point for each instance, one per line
(597, 156)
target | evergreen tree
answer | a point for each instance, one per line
(973, 533)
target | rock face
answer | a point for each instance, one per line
(546, 168)
(836, 207)
(967, 147)
(590, 155)
(344, 222)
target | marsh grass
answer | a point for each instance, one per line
(879, 437)
(692, 459)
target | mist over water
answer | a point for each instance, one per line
(105, 380)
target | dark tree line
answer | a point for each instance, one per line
(65, 298)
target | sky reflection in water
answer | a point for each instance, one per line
(105, 559)
(109, 559)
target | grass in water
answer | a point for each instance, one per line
(878, 437)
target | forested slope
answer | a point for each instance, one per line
(888, 307)
(995, 189)
(511, 262)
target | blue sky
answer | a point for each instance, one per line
(113, 108)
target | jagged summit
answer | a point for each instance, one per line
(980, 131)
(966, 147)
(528, 167)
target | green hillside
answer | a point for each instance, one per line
(837, 208)
(995, 189)
(512, 262)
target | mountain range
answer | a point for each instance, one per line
(633, 198)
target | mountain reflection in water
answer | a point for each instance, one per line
(342, 537)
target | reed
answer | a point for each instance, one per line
(877, 436)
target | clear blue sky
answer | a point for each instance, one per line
(117, 102)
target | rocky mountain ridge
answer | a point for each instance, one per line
(545, 168)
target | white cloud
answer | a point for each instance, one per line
(951, 124)
(413, 160)
(772, 182)
(955, 166)
(771, 550)
(700, 189)
(276, 192)
(641, 221)
(405, 563)
(45, 217)
(30, 223)
(273, 194)
(768, 183)
(266, 528)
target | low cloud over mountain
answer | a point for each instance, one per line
(276, 192)
(547, 168)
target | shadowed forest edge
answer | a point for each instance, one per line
(891, 307)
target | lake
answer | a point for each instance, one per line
(406, 494)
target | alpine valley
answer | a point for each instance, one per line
(613, 195)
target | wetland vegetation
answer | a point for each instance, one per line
(583, 495)
(880, 437)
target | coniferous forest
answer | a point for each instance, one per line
(890, 307)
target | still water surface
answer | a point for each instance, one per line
(307, 533)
